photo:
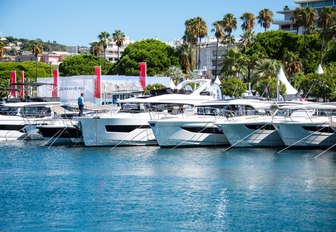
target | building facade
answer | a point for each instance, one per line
(112, 54)
(208, 55)
(287, 24)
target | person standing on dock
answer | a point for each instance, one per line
(81, 104)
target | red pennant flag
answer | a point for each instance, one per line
(55, 86)
(13, 82)
(22, 86)
(143, 74)
(97, 82)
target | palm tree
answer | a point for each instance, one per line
(233, 64)
(190, 37)
(119, 38)
(246, 40)
(292, 63)
(183, 52)
(248, 21)
(219, 34)
(229, 24)
(265, 18)
(201, 30)
(103, 40)
(2, 50)
(95, 49)
(36, 49)
(266, 70)
(326, 20)
(308, 16)
(297, 18)
(251, 62)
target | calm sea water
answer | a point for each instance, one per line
(153, 189)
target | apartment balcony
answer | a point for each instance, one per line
(283, 22)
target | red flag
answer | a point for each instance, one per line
(97, 82)
(55, 86)
(143, 74)
(22, 86)
(13, 82)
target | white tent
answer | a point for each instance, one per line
(320, 69)
(290, 90)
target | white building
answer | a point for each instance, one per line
(287, 24)
(208, 55)
(112, 50)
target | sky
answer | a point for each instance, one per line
(79, 22)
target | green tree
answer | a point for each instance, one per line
(153, 87)
(175, 73)
(318, 85)
(83, 65)
(119, 38)
(202, 30)
(229, 25)
(36, 49)
(233, 64)
(297, 18)
(248, 21)
(304, 17)
(183, 52)
(104, 40)
(95, 49)
(251, 62)
(190, 37)
(29, 67)
(265, 18)
(265, 73)
(232, 87)
(325, 21)
(157, 55)
(247, 40)
(4, 87)
(219, 34)
(292, 63)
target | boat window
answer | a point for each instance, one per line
(8, 111)
(131, 107)
(36, 112)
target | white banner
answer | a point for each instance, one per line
(70, 88)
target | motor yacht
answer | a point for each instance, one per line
(199, 128)
(308, 126)
(129, 126)
(19, 120)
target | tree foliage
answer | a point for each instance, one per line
(276, 44)
(153, 87)
(157, 55)
(232, 87)
(29, 68)
(83, 65)
(318, 86)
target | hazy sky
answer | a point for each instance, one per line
(78, 22)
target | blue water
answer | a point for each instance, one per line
(153, 189)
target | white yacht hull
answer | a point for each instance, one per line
(251, 134)
(62, 132)
(16, 128)
(306, 134)
(187, 132)
(117, 131)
